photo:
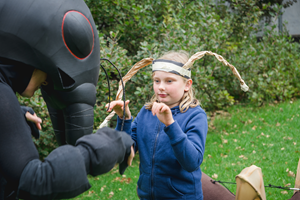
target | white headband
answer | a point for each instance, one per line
(170, 66)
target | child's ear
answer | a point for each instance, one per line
(188, 85)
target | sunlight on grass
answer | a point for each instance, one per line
(242, 136)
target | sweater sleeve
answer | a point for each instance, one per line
(126, 127)
(130, 128)
(189, 146)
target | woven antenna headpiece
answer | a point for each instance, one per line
(185, 71)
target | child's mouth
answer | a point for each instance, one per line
(162, 95)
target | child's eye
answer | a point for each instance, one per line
(169, 81)
(156, 81)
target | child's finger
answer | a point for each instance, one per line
(38, 125)
(154, 107)
(127, 102)
(130, 158)
(33, 118)
(163, 109)
(158, 108)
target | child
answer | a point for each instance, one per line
(169, 133)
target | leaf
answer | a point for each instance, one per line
(291, 174)
(214, 176)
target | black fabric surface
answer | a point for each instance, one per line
(16, 146)
(105, 148)
(61, 175)
(17, 75)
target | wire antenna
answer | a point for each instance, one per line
(123, 119)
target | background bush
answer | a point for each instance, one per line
(132, 30)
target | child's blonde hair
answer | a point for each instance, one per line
(188, 100)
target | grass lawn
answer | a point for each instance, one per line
(240, 137)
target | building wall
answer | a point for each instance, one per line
(291, 15)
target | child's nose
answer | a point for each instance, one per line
(161, 86)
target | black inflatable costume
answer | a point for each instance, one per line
(59, 38)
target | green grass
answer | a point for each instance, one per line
(267, 137)
(114, 186)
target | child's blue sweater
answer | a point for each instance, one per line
(170, 157)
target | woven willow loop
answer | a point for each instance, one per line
(135, 68)
(147, 61)
(201, 54)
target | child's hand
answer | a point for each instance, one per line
(117, 106)
(163, 113)
(35, 119)
(130, 158)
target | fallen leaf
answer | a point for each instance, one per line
(126, 180)
(277, 124)
(291, 174)
(215, 176)
(102, 188)
(111, 194)
(287, 185)
(284, 192)
(254, 128)
(91, 192)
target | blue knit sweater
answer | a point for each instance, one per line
(170, 157)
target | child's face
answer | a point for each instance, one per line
(169, 88)
(38, 78)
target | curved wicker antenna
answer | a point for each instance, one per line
(139, 65)
(200, 54)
